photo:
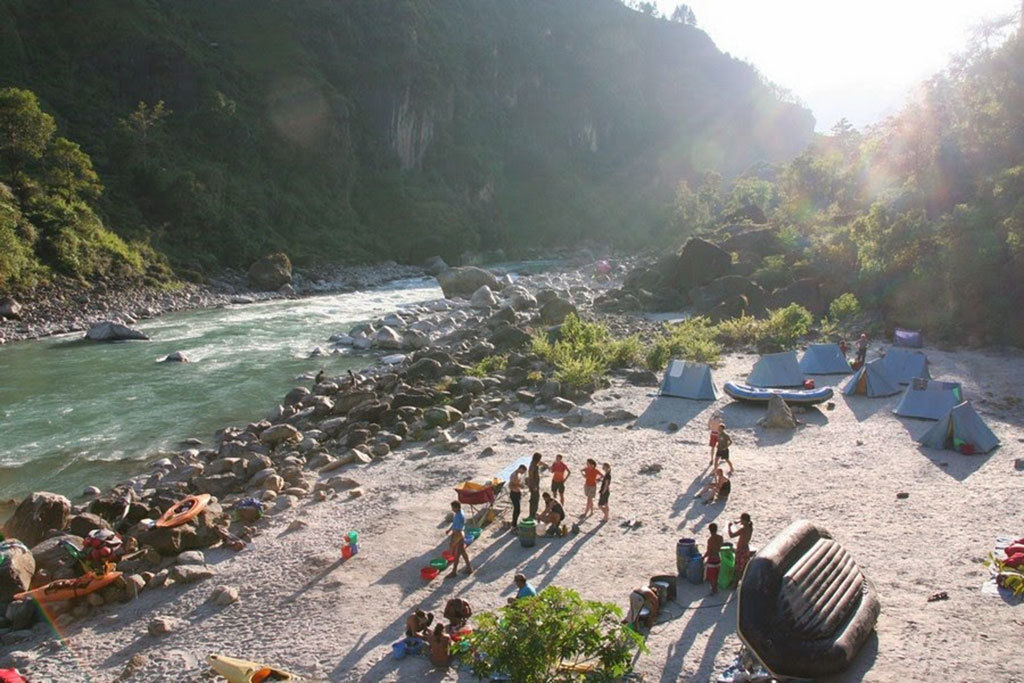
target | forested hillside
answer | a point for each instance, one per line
(388, 128)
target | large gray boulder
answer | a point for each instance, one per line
(277, 434)
(555, 311)
(270, 273)
(483, 298)
(761, 241)
(387, 338)
(52, 560)
(698, 263)
(17, 565)
(9, 308)
(109, 331)
(726, 293)
(35, 515)
(465, 280)
(806, 292)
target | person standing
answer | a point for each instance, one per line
(533, 483)
(714, 422)
(559, 473)
(713, 557)
(515, 492)
(590, 477)
(722, 448)
(862, 349)
(744, 532)
(458, 541)
(606, 484)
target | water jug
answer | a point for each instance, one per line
(728, 555)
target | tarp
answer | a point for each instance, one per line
(904, 365)
(776, 370)
(910, 338)
(961, 429)
(872, 380)
(824, 359)
(929, 399)
(685, 379)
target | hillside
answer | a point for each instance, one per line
(388, 129)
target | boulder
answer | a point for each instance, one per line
(21, 614)
(698, 263)
(110, 331)
(277, 434)
(82, 524)
(806, 292)
(35, 515)
(370, 411)
(160, 625)
(176, 357)
(762, 242)
(465, 280)
(17, 565)
(483, 298)
(167, 541)
(471, 385)
(10, 309)
(218, 484)
(387, 338)
(415, 339)
(424, 368)
(555, 311)
(521, 300)
(52, 559)
(223, 596)
(642, 378)
(714, 293)
(295, 396)
(270, 273)
(545, 422)
(441, 416)
(435, 265)
(507, 336)
(778, 415)
(343, 403)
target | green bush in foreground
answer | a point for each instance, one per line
(584, 352)
(532, 637)
(692, 339)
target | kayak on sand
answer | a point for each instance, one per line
(242, 671)
(66, 589)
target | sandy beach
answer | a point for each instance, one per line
(305, 610)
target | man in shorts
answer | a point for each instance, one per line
(712, 557)
(713, 423)
(722, 448)
(559, 473)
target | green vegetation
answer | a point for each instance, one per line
(692, 339)
(585, 351)
(348, 131)
(530, 638)
(488, 365)
(48, 222)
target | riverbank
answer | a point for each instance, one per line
(65, 305)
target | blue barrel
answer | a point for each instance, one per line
(685, 549)
(695, 570)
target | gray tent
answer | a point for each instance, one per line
(872, 380)
(685, 379)
(962, 429)
(929, 399)
(776, 370)
(905, 365)
(824, 359)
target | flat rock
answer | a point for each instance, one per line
(162, 625)
(545, 422)
(189, 573)
(109, 331)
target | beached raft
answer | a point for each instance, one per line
(805, 609)
(749, 394)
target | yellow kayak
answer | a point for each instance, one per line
(241, 671)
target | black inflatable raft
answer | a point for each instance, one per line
(805, 609)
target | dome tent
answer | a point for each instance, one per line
(929, 399)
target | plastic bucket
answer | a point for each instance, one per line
(346, 551)
(449, 556)
(685, 549)
(398, 650)
(473, 531)
(439, 563)
(428, 573)
(695, 570)
(670, 582)
(528, 533)
(353, 538)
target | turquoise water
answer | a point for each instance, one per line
(74, 413)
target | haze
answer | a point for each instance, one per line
(857, 61)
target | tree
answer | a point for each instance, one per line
(143, 122)
(68, 171)
(25, 129)
(530, 638)
(682, 14)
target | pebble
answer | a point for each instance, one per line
(224, 596)
(191, 557)
(161, 625)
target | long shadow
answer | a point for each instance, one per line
(686, 499)
(712, 609)
(317, 578)
(665, 409)
(863, 407)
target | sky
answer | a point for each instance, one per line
(858, 60)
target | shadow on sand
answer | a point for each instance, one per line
(667, 409)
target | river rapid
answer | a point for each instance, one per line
(76, 413)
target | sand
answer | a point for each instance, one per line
(303, 609)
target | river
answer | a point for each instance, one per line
(76, 413)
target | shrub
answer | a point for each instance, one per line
(530, 638)
(746, 329)
(843, 307)
(584, 351)
(692, 339)
(487, 365)
(583, 372)
(784, 326)
(625, 352)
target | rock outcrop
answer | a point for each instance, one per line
(270, 273)
(109, 331)
(463, 281)
(37, 514)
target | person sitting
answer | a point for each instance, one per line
(526, 589)
(642, 597)
(457, 611)
(417, 624)
(553, 513)
(716, 489)
(440, 646)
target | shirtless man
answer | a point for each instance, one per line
(719, 487)
(746, 529)
(712, 557)
(418, 624)
(440, 647)
(713, 424)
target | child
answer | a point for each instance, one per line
(590, 477)
(606, 483)
(559, 473)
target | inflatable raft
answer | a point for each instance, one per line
(66, 589)
(805, 609)
(802, 397)
(184, 510)
(242, 671)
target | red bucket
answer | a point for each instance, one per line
(429, 573)
(346, 551)
(448, 555)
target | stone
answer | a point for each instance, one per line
(10, 308)
(82, 524)
(278, 434)
(296, 525)
(435, 265)
(424, 368)
(555, 311)
(109, 331)
(544, 422)
(387, 338)
(806, 292)
(166, 541)
(415, 339)
(483, 298)
(35, 515)
(217, 485)
(379, 450)
(274, 482)
(618, 415)
(21, 614)
(441, 416)
(189, 573)
(463, 281)
(521, 300)
(762, 242)
(90, 492)
(371, 411)
(583, 416)
(223, 596)
(507, 337)
(162, 625)
(191, 557)
(95, 599)
(699, 262)
(137, 583)
(340, 483)
(270, 273)
(471, 385)
(17, 566)
(562, 405)
(345, 402)
(778, 415)
(642, 378)
(296, 396)
(176, 357)
(549, 389)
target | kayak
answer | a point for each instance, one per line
(804, 397)
(184, 510)
(66, 589)
(242, 671)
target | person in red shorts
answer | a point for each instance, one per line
(559, 473)
(713, 422)
(712, 557)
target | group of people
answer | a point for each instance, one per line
(528, 478)
(741, 530)
(718, 486)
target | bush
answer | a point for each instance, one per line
(843, 307)
(584, 352)
(692, 339)
(784, 326)
(487, 365)
(530, 638)
(625, 352)
(746, 329)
